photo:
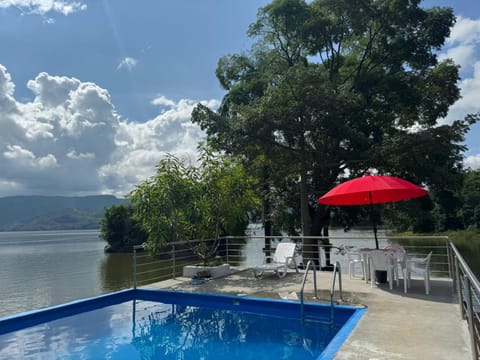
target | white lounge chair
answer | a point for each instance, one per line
(284, 256)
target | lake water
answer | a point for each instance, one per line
(45, 268)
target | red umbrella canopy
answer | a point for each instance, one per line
(369, 189)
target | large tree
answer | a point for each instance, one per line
(339, 87)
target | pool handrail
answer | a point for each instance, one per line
(310, 264)
(336, 268)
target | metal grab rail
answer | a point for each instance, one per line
(336, 268)
(468, 289)
(310, 264)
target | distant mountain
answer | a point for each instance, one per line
(53, 212)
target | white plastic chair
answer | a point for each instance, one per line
(381, 261)
(421, 267)
(400, 263)
(354, 257)
(284, 256)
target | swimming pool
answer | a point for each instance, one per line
(155, 324)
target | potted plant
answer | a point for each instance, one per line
(184, 202)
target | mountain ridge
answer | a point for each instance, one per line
(40, 212)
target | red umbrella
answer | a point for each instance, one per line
(369, 190)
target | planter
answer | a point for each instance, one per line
(203, 271)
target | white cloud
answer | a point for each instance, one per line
(52, 91)
(461, 54)
(42, 7)
(463, 43)
(142, 146)
(473, 162)
(463, 46)
(465, 31)
(470, 101)
(72, 154)
(25, 157)
(162, 101)
(127, 63)
(70, 140)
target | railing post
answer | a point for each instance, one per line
(470, 319)
(173, 261)
(340, 281)
(227, 249)
(134, 268)
(449, 261)
(459, 288)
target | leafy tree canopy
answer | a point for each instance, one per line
(184, 202)
(120, 230)
(337, 88)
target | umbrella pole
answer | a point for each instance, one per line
(373, 220)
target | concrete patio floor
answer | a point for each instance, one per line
(395, 326)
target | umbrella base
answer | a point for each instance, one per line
(381, 276)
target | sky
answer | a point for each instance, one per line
(94, 93)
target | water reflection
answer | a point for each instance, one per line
(151, 330)
(44, 268)
(185, 332)
(116, 272)
(90, 335)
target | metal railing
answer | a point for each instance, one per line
(468, 290)
(248, 251)
(244, 252)
(169, 262)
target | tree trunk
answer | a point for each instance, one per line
(267, 226)
(267, 216)
(320, 223)
(304, 207)
(310, 246)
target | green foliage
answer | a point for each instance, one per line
(331, 86)
(471, 200)
(120, 229)
(185, 202)
(466, 241)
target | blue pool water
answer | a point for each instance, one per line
(143, 324)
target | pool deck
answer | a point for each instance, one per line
(395, 326)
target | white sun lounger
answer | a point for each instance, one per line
(284, 256)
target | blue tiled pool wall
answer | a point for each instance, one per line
(236, 303)
(182, 301)
(272, 307)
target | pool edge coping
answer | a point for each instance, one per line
(38, 316)
(342, 335)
